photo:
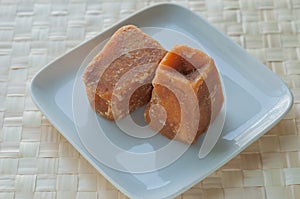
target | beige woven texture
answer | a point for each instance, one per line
(37, 162)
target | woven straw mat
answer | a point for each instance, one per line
(37, 162)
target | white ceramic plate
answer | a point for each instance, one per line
(256, 100)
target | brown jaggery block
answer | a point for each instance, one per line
(118, 79)
(187, 95)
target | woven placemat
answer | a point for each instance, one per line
(37, 162)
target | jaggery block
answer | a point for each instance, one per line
(187, 95)
(118, 79)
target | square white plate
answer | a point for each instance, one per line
(256, 100)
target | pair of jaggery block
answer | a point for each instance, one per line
(181, 87)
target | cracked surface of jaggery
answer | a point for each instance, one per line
(185, 74)
(129, 51)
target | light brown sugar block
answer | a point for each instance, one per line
(118, 80)
(187, 94)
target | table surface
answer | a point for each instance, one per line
(37, 162)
